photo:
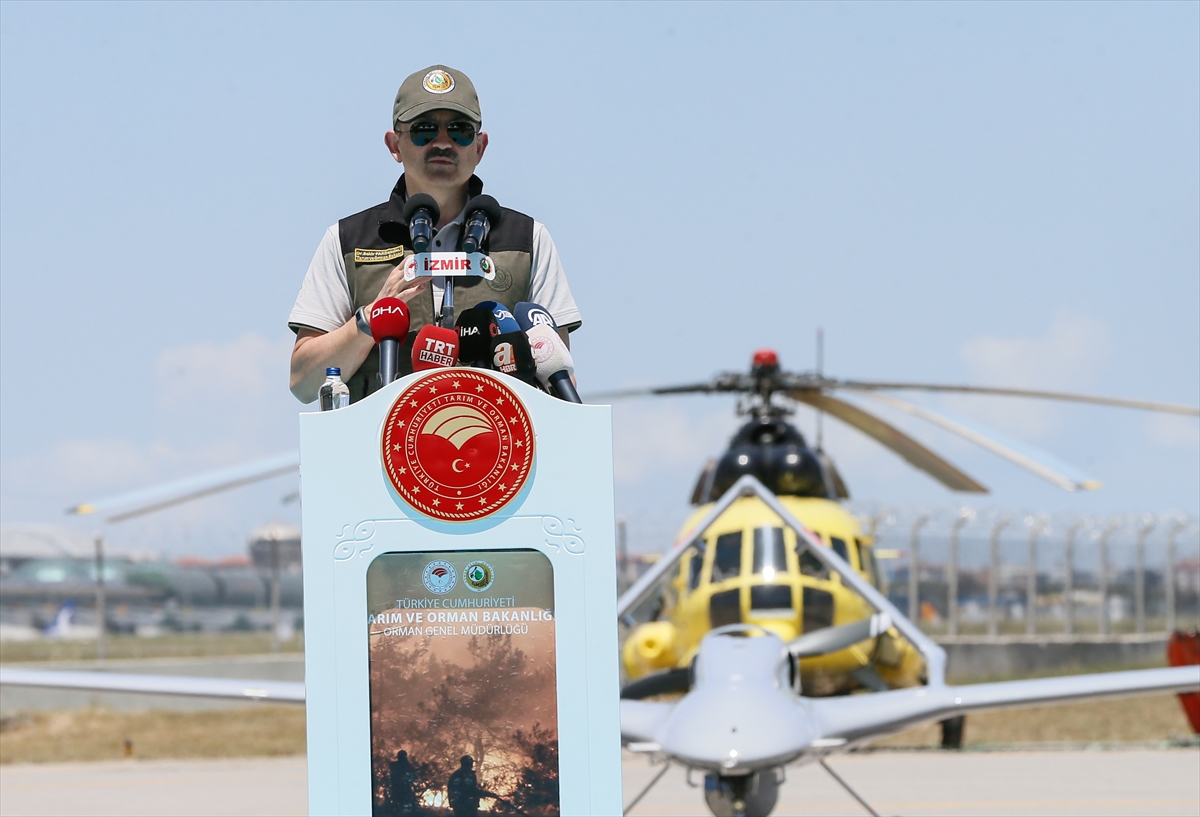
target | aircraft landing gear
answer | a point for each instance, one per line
(751, 795)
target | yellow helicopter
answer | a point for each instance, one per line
(746, 567)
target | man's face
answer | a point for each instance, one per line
(442, 162)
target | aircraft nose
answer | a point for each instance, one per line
(741, 726)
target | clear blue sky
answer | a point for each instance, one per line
(1002, 194)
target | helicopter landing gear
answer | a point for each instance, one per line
(750, 795)
(952, 732)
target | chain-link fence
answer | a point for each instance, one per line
(971, 572)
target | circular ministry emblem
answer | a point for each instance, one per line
(457, 445)
(502, 281)
(438, 82)
(479, 576)
(439, 577)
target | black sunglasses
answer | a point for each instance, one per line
(423, 133)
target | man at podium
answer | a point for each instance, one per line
(436, 135)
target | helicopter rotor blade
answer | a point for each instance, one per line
(1148, 405)
(622, 394)
(891, 437)
(1026, 456)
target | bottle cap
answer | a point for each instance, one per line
(333, 371)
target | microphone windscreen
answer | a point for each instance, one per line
(489, 206)
(435, 347)
(550, 354)
(389, 319)
(504, 318)
(511, 354)
(476, 327)
(529, 315)
(422, 201)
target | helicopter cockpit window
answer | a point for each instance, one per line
(839, 547)
(695, 569)
(810, 565)
(727, 557)
(770, 554)
(866, 555)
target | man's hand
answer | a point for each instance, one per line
(396, 287)
(345, 347)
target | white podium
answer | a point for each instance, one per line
(460, 601)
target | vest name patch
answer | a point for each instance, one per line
(362, 256)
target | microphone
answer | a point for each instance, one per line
(476, 327)
(553, 362)
(422, 213)
(511, 354)
(435, 347)
(482, 213)
(389, 327)
(529, 315)
(504, 319)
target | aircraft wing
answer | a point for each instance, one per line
(145, 500)
(288, 692)
(856, 717)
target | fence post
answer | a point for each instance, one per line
(993, 574)
(1105, 619)
(1139, 579)
(1169, 574)
(965, 515)
(1069, 582)
(1035, 527)
(914, 570)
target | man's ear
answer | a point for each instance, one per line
(482, 141)
(392, 140)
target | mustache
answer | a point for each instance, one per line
(442, 153)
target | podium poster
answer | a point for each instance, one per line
(460, 594)
(470, 669)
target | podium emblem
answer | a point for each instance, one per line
(439, 577)
(458, 445)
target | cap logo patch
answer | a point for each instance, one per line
(438, 82)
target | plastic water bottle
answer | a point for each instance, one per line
(333, 394)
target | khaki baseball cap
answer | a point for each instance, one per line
(437, 87)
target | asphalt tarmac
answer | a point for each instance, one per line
(1068, 782)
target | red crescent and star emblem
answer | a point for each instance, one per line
(458, 445)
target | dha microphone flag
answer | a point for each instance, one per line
(553, 361)
(389, 327)
(436, 347)
(529, 315)
(504, 319)
(511, 354)
(476, 327)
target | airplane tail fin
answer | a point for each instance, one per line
(63, 619)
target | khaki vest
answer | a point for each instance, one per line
(370, 259)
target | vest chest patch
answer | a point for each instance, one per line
(362, 256)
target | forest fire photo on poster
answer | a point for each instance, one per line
(464, 703)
